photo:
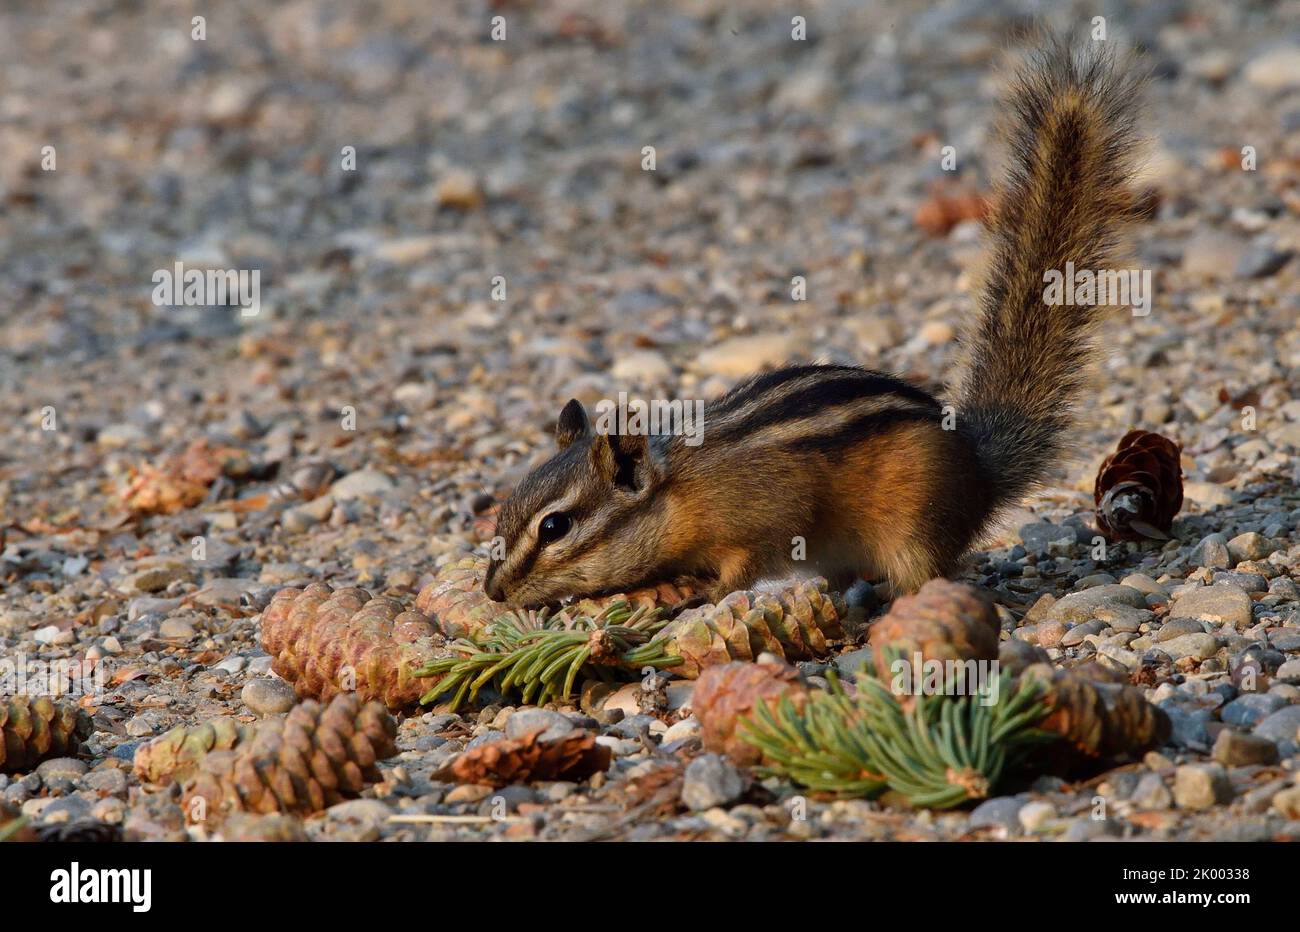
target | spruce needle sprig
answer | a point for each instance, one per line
(538, 656)
(937, 751)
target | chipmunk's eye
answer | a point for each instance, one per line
(553, 527)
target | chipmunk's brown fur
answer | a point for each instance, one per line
(843, 471)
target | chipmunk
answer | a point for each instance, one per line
(856, 463)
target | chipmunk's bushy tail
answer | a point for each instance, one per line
(1069, 127)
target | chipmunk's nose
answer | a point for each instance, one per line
(491, 586)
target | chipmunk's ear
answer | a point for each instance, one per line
(626, 460)
(572, 424)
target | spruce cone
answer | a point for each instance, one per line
(944, 620)
(328, 642)
(175, 755)
(456, 599)
(32, 729)
(574, 756)
(317, 756)
(727, 693)
(796, 623)
(1139, 487)
(457, 602)
(1099, 721)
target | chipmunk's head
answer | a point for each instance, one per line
(583, 521)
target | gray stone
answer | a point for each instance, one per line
(65, 809)
(232, 665)
(1052, 634)
(108, 780)
(1040, 537)
(1082, 606)
(1284, 589)
(139, 726)
(711, 781)
(1036, 814)
(1251, 708)
(1151, 793)
(69, 768)
(1249, 546)
(1178, 627)
(267, 696)
(1212, 551)
(1088, 829)
(1200, 786)
(739, 356)
(1198, 646)
(1143, 583)
(1234, 749)
(1124, 618)
(363, 483)
(1287, 802)
(153, 578)
(1224, 605)
(1275, 69)
(1188, 726)
(1079, 633)
(1285, 640)
(224, 590)
(1262, 261)
(849, 663)
(1289, 670)
(180, 629)
(1246, 582)
(1282, 726)
(1000, 812)
(525, 721)
(363, 811)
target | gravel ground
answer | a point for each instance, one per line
(383, 369)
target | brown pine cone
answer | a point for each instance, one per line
(574, 756)
(1099, 721)
(943, 620)
(328, 642)
(726, 693)
(317, 756)
(457, 602)
(175, 755)
(32, 729)
(797, 623)
(1139, 488)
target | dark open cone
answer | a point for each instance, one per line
(1139, 488)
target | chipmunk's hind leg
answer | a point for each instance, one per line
(903, 508)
